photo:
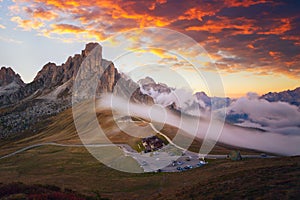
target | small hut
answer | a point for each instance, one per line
(235, 155)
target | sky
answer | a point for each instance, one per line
(254, 44)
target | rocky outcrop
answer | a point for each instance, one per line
(128, 89)
(202, 96)
(10, 84)
(138, 97)
(148, 86)
(8, 76)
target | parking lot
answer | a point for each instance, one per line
(167, 159)
(188, 161)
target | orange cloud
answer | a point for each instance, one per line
(196, 13)
(261, 41)
(40, 13)
(157, 2)
(294, 38)
(66, 28)
(250, 46)
(27, 24)
(275, 55)
(79, 33)
(246, 27)
(64, 3)
(279, 27)
(244, 3)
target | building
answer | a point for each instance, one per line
(152, 143)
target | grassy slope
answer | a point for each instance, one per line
(61, 129)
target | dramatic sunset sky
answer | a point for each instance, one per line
(255, 44)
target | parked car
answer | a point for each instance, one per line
(174, 163)
(188, 167)
(179, 162)
(179, 168)
(202, 162)
(263, 155)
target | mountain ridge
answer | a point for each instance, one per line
(289, 96)
(53, 75)
(51, 90)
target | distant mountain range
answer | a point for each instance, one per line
(159, 91)
(289, 96)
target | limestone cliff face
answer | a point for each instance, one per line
(56, 82)
(96, 75)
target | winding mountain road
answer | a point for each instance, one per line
(54, 144)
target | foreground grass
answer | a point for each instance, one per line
(76, 169)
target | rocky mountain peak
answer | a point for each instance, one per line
(88, 48)
(7, 76)
(46, 71)
(146, 81)
(52, 76)
(148, 85)
(203, 96)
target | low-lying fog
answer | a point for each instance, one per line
(213, 130)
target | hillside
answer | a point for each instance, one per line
(68, 167)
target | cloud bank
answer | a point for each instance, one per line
(200, 127)
(279, 117)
